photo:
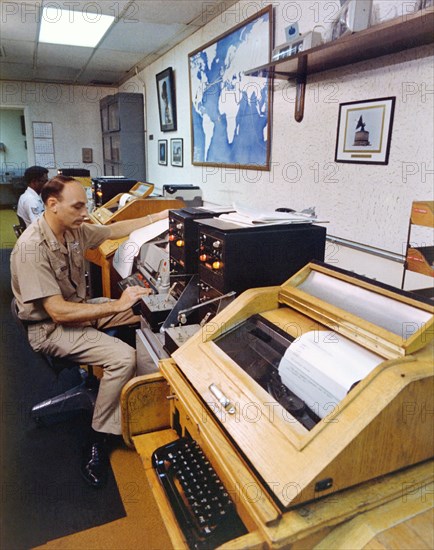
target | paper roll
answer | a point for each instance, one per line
(124, 199)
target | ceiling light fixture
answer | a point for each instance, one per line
(73, 28)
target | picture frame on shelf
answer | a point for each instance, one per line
(162, 152)
(177, 152)
(230, 112)
(166, 100)
(364, 131)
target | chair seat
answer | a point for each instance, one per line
(81, 397)
(79, 388)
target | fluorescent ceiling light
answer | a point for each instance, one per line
(73, 28)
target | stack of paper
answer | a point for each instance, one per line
(248, 216)
(124, 256)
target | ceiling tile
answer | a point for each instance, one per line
(19, 21)
(55, 54)
(138, 37)
(173, 11)
(56, 74)
(16, 71)
(99, 77)
(145, 29)
(105, 7)
(18, 51)
(113, 60)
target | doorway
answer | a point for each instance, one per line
(13, 154)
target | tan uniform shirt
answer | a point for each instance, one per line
(42, 267)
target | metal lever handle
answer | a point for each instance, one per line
(183, 313)
(222, 399)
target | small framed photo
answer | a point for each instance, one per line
(86, 155)
(166, 100)
(364, 131)
(176, 152)
(162, 151)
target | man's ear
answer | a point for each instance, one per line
(51, 204)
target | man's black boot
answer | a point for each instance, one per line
(95, 460)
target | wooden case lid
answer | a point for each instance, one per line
(386, 320)
(142, 189)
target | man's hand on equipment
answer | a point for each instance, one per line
(132, 295)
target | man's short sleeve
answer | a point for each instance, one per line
(32, 273)
(94, 235)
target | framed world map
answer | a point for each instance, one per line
(230, 112)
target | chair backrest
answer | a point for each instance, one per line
(56, 363)
(22, 222)
(19, 227)
(18, 230)
(18, 321)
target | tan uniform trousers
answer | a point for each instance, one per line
(87, 345)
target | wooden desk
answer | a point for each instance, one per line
(374, 514)
(103, 257)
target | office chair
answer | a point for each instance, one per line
(22, 222)
(18, 230)
(78, 387)
(19, 227)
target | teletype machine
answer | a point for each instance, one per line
(189, 193)
(122, 205)
(125, 206)
(160, 310)
(224, 259)
(287, 413)
(104, 188)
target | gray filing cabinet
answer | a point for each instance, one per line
(122, 125)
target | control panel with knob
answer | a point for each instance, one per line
(232, 257)
(183, 239)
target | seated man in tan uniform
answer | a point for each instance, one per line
(48, 281)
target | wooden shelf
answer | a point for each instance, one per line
(393, 36)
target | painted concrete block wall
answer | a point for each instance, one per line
(363, 203)
(74, 112)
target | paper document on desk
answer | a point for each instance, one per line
(320, 367)
(124, 256)
(244, 215)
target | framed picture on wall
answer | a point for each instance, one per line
(364, 131)
(176, 152)
(166, 100)
(162, 151)
(230, 110)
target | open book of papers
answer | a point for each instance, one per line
(244, 215)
